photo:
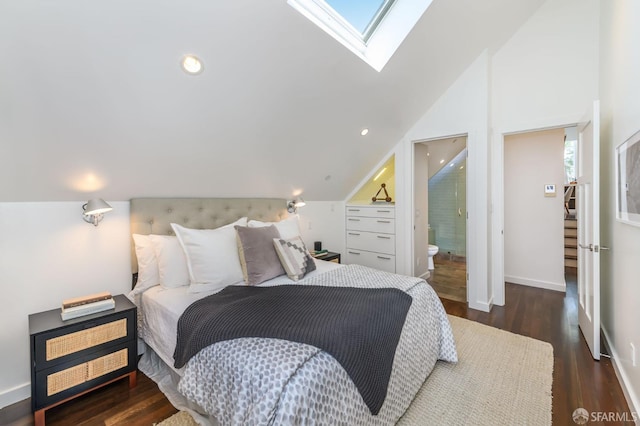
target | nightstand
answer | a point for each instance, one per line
(330, 257)
(71, 358)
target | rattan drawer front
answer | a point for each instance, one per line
(106, 364)
(66, 379)
(78, 374)
(84, 339)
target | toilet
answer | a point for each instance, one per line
(433, 250)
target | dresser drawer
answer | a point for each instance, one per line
(372, 211)
(57, 346)
(383, 262)
(371, 241)
(70, 378)
(371, 224)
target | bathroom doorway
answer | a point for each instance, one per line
(440, 200)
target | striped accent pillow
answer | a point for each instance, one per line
(295, 258)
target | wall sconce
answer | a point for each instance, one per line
(93, 210)
(292, 206)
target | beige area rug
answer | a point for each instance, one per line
(501, 379)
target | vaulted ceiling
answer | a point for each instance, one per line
(93, 100)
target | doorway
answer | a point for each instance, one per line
(538, 208)
(440, 209)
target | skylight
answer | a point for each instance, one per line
(363, 15)
(371, 29)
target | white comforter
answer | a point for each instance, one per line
(268, 381)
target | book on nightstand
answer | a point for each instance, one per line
(81, 306)
(83, 300)
(319, 253)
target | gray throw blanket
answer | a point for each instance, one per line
(359, 327)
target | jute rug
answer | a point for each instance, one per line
(501, 379)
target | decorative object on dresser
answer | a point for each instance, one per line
(86, 305)
(371, 239)
(71, 358)
(386, 198)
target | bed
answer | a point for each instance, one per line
(258, 380)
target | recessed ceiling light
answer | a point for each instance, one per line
(451, 165)
(442, 161)
(364, 132)
(191, 64)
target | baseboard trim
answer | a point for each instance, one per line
(547, 285)
(482, 306)
(16, 394)
(426, 275)
(623, 379)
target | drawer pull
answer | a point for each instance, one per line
(384, 258)
(354, 252)
(354, 233)
(383, 211)
(384, 221)
(354, 220)
(354, 210)
(383, 237)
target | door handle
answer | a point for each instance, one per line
(590, 246)
(459, 212)
(600, 248)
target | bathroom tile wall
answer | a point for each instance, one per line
(447, 194)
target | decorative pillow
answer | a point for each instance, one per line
(258, 257)
(212, 256)
(148, 274)
(172, 265)
(295, 258)
(288, 228)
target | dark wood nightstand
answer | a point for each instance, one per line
(330, 257)
(71, 358)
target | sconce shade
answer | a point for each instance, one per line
(97, 205)
(292, 206)
(94, 209)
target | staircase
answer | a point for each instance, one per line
(570, 243)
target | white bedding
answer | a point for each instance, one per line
(426, 338)
(162, 307)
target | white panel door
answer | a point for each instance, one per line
(588, 215)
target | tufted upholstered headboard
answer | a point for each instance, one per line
(155, 215)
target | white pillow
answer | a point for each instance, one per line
(288, 228)
(212, 256)
(148, 274)
(172, 264)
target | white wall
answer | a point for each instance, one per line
(323, 221)
(548, 71)
(48, 253)
(620, 113)
(463, 109)
(533, 223)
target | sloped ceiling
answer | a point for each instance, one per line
(93, 101)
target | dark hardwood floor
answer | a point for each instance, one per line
(578, 380)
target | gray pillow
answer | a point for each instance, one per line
(258, 257)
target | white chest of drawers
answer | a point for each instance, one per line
(370, 236)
